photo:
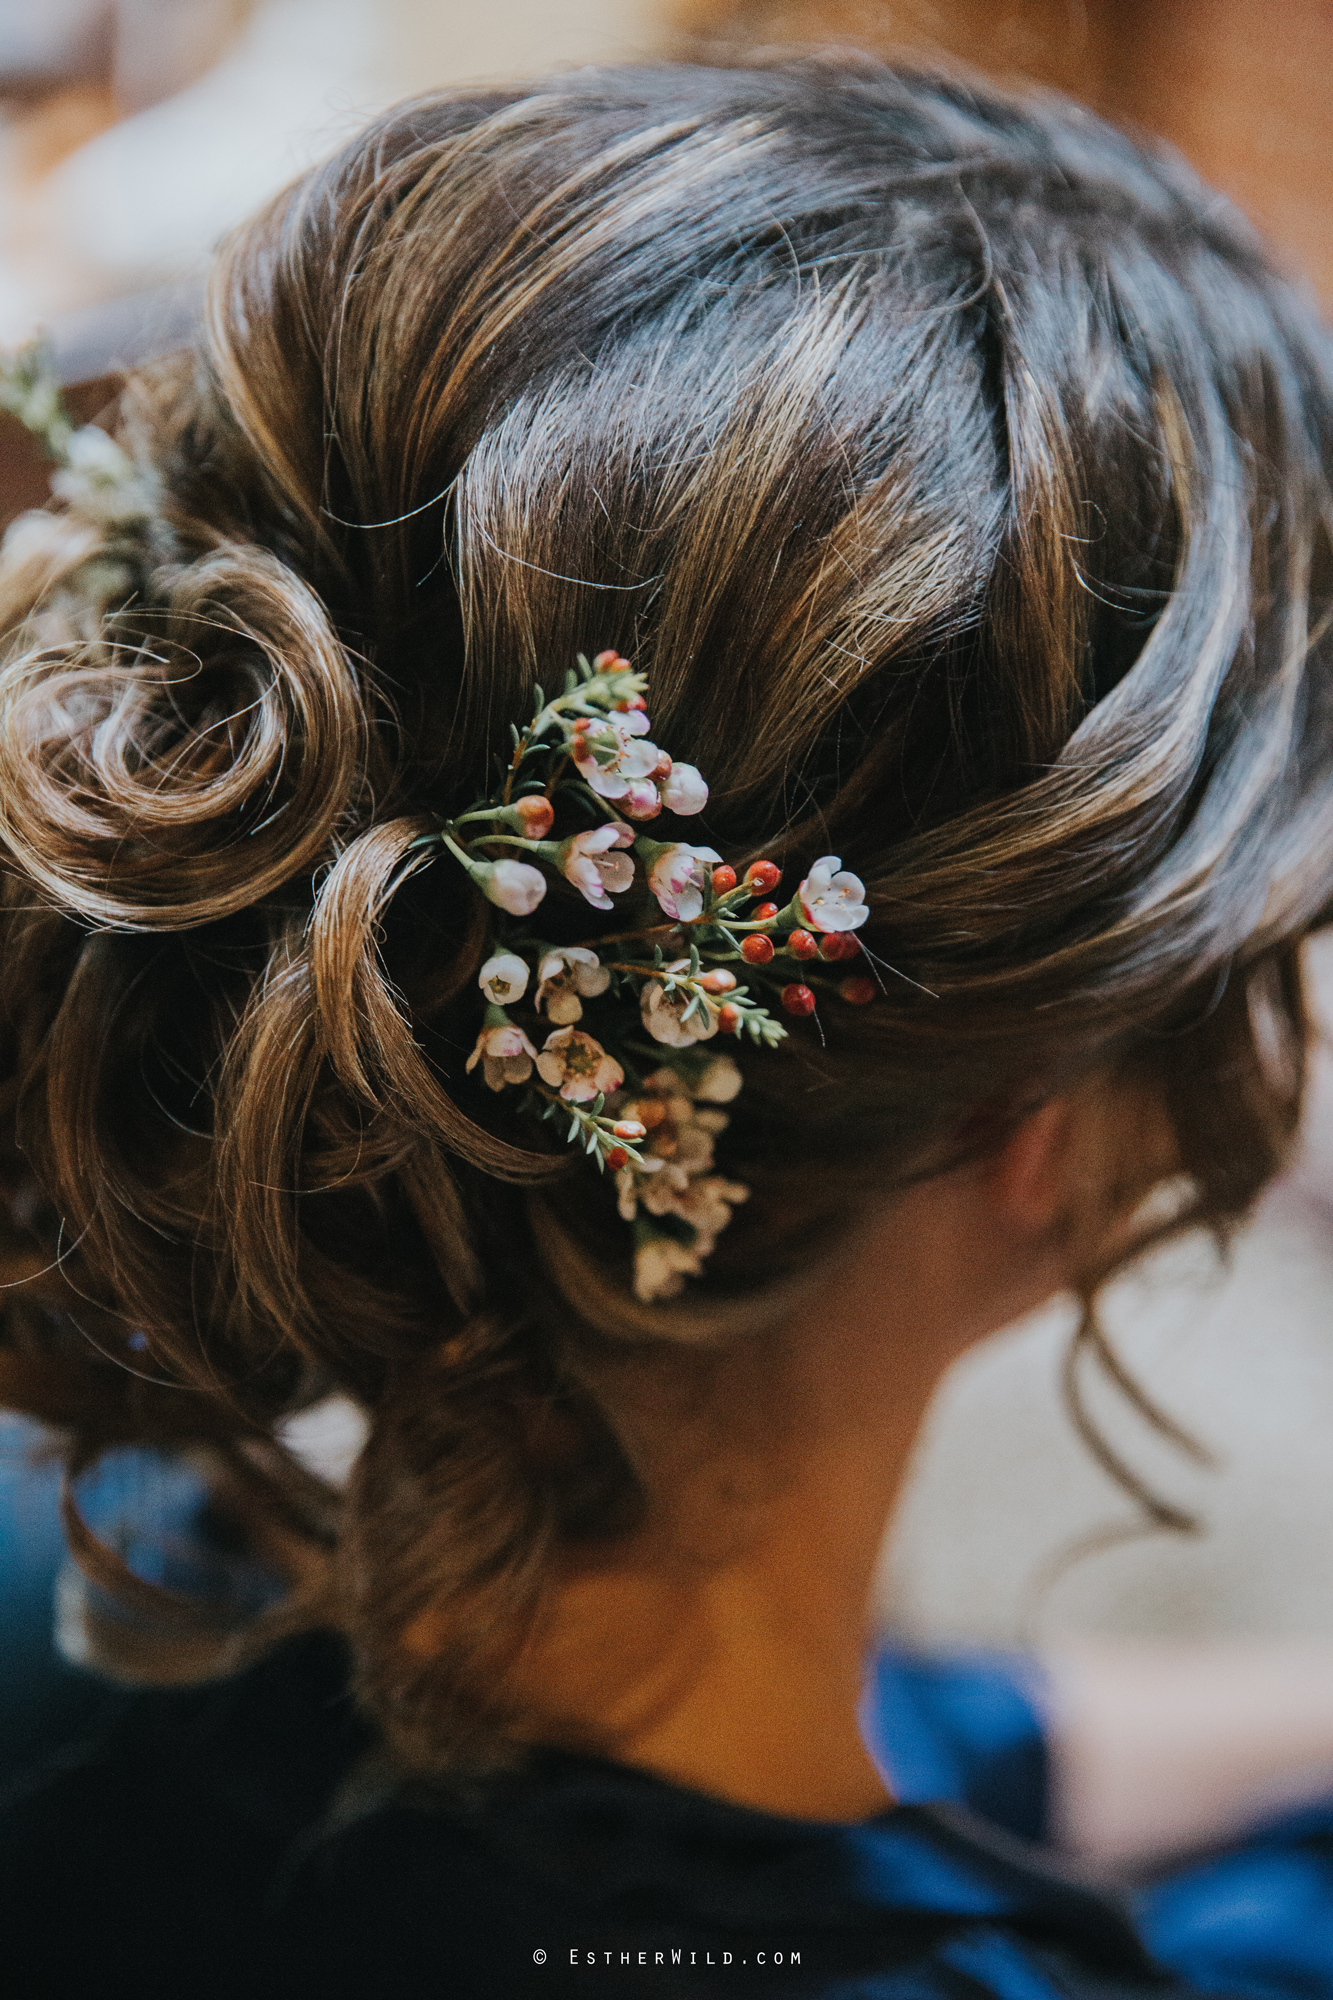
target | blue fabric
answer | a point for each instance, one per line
(962, 1726)
(228, 1839)
(1256, 1918)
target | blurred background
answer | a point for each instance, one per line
(133, 133)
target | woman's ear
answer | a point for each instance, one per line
(1027, 1178)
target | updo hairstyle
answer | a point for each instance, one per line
(955, 469)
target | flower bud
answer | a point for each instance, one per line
(684, 790)
(858, 990)
(801, 945)
(729, 1018)
(662, 769)
(764, 913)
(762, 878)
(839, 944)
(617, 1158)
(719, 980)
(798, 1000)
(724, 878)
(511, 885)
(629, 1128)
(757, 949)
(536, 815)
(640, 800)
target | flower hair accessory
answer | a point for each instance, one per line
(581, 1030)
(99, 550)
(610, 1032)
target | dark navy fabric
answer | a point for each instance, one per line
(242, 1839)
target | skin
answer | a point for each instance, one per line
(723, 1650)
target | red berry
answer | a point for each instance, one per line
(729, 1018)
(724, 878)
(719, 980)
(765, 913)
(762, 877)
(617, 1158)
(798, 1000)
(858, 990)
(757, 949)
(838, 944)
(801, 945)
(536, 815)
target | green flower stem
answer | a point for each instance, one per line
(598, 1129)
(593, 694)
(507, 815)
(478, 870)
(547, 849)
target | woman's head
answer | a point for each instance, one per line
(957, 474)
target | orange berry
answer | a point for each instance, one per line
(757, 949)
(801, 945)
(798, 1000)
(724, 878)
(536, 815)
(762, 878)
(858, 990)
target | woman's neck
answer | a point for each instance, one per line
(724, 1649)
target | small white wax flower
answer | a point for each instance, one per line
(593, 863)
(513, 885)
(679, 876)
(719, 1083)
(101, 481)
(684, 791)
(577, 1066)
(506, 1053)
(504, 978)
(611, 755)
(661, 1266)
(568, 977)
(641, 800)
(664, 1014)
(707, 1206)
(832, 898)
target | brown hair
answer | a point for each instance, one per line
(955, 468)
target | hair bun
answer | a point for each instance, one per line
(195, 757)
